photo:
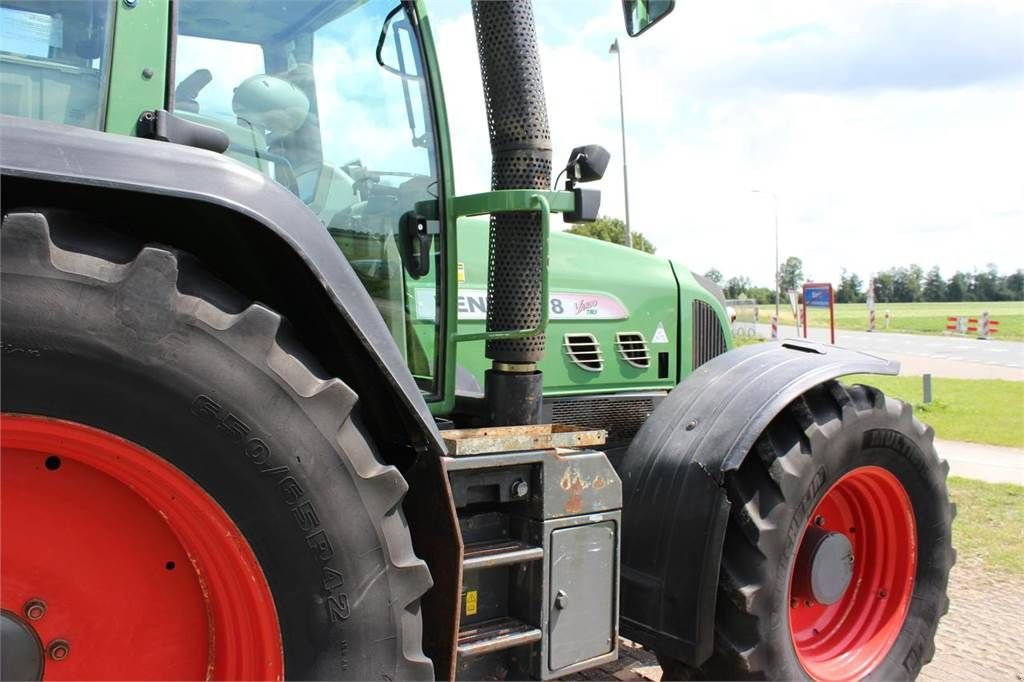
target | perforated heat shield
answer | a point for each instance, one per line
(517, 119)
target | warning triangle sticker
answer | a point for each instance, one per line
(659, 334)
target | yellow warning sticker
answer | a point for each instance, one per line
(461, 273)
(471, 603)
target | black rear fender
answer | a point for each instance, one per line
(246, 229)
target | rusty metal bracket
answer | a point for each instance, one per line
(463, 442)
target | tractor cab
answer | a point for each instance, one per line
(328, 99)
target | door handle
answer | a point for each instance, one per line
(415, 234)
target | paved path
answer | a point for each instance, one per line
(956, 348)
(981, 637)
(989, 463)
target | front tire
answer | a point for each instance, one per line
(843, 490)
(141, 345)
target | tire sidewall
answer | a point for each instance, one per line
(232, 428)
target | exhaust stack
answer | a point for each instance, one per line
(517, 120)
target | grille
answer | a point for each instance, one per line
(708, 337)
(584, 350)
(633, 349)
(622, 417)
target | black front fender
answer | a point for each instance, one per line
(675, 510)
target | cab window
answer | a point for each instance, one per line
(55, 60)
(307, 98)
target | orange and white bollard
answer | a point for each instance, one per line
(988, 326)
(775, 327)
(870, 300)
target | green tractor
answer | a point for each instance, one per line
(275, 404)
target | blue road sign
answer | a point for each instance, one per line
(816, 297)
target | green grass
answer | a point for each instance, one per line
(740, 341)
(917, 318)
(989, 525)
(976, 410)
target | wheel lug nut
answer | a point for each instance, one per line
(819, 520)
(883, 593)
(793, 603)
(35, 609)
(58, 649)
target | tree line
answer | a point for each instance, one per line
(613, 230)
(911, 284)
(900, 284)
(791, 276)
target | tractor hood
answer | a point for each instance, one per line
(615, 322)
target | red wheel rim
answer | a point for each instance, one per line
(142, 574)
(848, 638)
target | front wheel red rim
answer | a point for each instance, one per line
(849, 638)
(140, 572)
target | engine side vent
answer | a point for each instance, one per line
(621, 416)
(633, 349)
(585, 351)
(708, 336)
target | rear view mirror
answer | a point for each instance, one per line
(642, 14)
(587, 163)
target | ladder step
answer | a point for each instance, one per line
(499, 553)
(495, 635)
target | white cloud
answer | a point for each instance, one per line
(891, 132)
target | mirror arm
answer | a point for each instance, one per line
(405, 82)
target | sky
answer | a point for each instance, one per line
(890, 133)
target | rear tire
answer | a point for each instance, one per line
(141, 343)
(832, 435)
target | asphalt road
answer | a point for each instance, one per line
(951, 348)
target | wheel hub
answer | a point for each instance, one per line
(845, 614)
(824, 567)
(23, 652)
